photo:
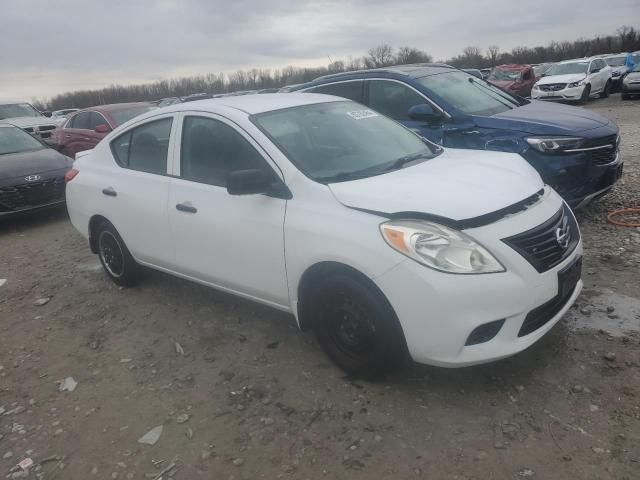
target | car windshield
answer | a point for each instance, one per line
(339, 141)
(568, 68)
(16, 110)
(469, 94)
(508, 75)
(15, 140)
(126, 114)
(616, 61)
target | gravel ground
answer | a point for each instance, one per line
(241, 394)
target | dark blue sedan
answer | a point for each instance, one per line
(575, 150)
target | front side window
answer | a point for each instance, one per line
(469, 94)
(16, 140)
(212, 149)
(349, 90)
(81, 121)
(393, 99)
(144, 148)
(339, 141)
(96, 119)
(16, 110)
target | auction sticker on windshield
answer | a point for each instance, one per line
(360, 114)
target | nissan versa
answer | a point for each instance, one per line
(383, 244)
(574, 150)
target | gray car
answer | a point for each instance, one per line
(631, 83)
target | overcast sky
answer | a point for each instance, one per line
(52, 47)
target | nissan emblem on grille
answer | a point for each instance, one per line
(563, 234)
(32, 178)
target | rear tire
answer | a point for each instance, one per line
(607, 90)
(115, 257)
(356, 326)
(584, 98)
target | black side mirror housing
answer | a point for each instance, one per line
(256, 182)
(425, 113)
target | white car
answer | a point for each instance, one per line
(574, 80)
(25, 116)
(382, 243)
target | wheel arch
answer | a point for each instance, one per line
(310, 279)
(94, 221)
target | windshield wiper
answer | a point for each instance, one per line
(342, 177)
(402, 161)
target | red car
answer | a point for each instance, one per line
(516, 79)
(84, 129)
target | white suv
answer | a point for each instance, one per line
(25, 116)
(574, 80)
(382, 243)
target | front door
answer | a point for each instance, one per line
(234, 242)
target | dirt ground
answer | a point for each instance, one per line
(241, 394)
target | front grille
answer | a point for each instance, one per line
(32, 194)
(552, 87)
(605, 149)
(545, 246)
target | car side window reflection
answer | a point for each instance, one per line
(393, 99)
(212, 149)
(144, 148)
(81, 121)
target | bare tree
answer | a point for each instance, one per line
(492, 52)
(380, 56)
(407, 55)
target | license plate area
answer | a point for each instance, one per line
(568, 278)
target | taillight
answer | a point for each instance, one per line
(70, 175)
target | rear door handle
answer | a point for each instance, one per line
(185, 207)
(110, 192)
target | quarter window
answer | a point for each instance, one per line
(145, 147)
(351, 90)
(393, 99)
(212, 149)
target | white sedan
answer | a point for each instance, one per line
(385, 245)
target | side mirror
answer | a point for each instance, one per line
(102, 128)
(255, 182)
(47, 114)
(425, 113)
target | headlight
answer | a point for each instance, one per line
(616, 74)
(576, 84)
(439, 247)
(554, 144)
(535, 86)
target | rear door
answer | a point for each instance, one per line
(135, 193)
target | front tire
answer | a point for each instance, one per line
(356, 326)
(585, 95)
(115, 257)
(607, 90)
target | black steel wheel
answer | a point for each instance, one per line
(114, 256)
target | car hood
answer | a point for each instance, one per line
(633, 76)
(506, 84)
(23, 122)
(36, 162)
(568, 78)
(458, 185)
(542, 118)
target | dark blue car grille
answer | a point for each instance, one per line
(606, 154)
(33, 194)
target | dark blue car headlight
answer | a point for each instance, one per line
(554, 144)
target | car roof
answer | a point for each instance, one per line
(115, 106)
(254, 103)
(513, 66)
(578, 60)
(414, 70)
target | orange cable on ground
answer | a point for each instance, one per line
(634, 212)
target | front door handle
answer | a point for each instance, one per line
(110, 192)
(186, 207)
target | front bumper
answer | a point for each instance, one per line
(568, 94)
(438, 311)
(575, 176)
(633, 88)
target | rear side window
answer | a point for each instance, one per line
(144, 148)
(212, 149)
(351, 90)
(393, 99)
(82, 121)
